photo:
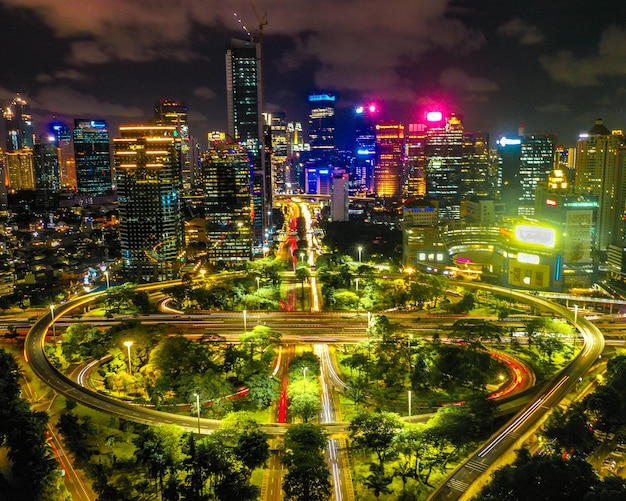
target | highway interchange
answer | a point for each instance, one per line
(461, 484)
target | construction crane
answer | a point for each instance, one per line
(262, 21)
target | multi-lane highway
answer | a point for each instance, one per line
(461, 483)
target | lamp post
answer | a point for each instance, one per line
(245, 321)
(410, 366)
(54, 332)
(198, 408)
(304, 369)
(128, 344)
(360, 249)
(106, 274)
(258, 283)
(575, 314)
(575, 326)
(409, 403)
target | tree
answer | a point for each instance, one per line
(540, 478)
(260, 339)
(159, 449)
(302, 274)
(305, 405)
(308, 478)
(252, 449)
(262, 388)
(377, 481)
(375, 432)
(569, 432)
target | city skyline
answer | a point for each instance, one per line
(556, 67)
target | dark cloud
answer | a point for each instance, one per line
(525, 33)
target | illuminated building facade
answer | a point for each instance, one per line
(390, 157)
(92, 156)
(600, 172)
(244, 92)
(280, 168)
(321, 124)
(20, 170)
(536, 163)
(415, 184)
(227, 203)
(18, 125)
(62, 136)
(574, 217)
(527, 160)
(148, 178)
(447, 157)
(174, 113)
(529, 255)
(365, 148)
(47, 172)
(422, 245)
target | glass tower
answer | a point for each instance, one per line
(92, 156)
(148, 178)
(244, 92)
(18, 125)
(227, 203)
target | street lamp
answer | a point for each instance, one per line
(410, 366)
(54, 332)
(198, 407)
(304, 369)
(575, 314)
(106, 274)
(357, 285)
(245, 321)
(128, 344)
(302, 256)
(258, 282)
(360, 249)
(410, 403)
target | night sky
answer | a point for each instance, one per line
(554, 66)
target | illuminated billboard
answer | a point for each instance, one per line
(535, 235)
(434, 116)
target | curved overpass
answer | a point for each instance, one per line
(463, 480)
(474, 472)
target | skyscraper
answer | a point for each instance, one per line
(244, 92)
(536, 164)
(280, 168)
(148, 178)
(227, 202)
(174, 113)
(321, 124)
(387, 182)
(62, 136)
(415, 183)
(599, 172)
(47, 172)
(365, 118)
(446, 158)
(18, 125)
(92, 155)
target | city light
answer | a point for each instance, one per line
(128, 344)
(434, 116)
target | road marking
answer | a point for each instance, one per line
(457, 485)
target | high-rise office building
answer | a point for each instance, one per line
(92, 155)
(536, 164)
(62, 136)
(389, 166)
(415, 180)
(526, 160)
(365, 118)
(280, 168)
(148, 179)
(600, 172)
(227, 202)
(174, 113)
(447, 157)
(47, 172)
(244, 92)
(20, 170)
(18, 124)
(321, 124)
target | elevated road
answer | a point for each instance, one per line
(466, 480)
